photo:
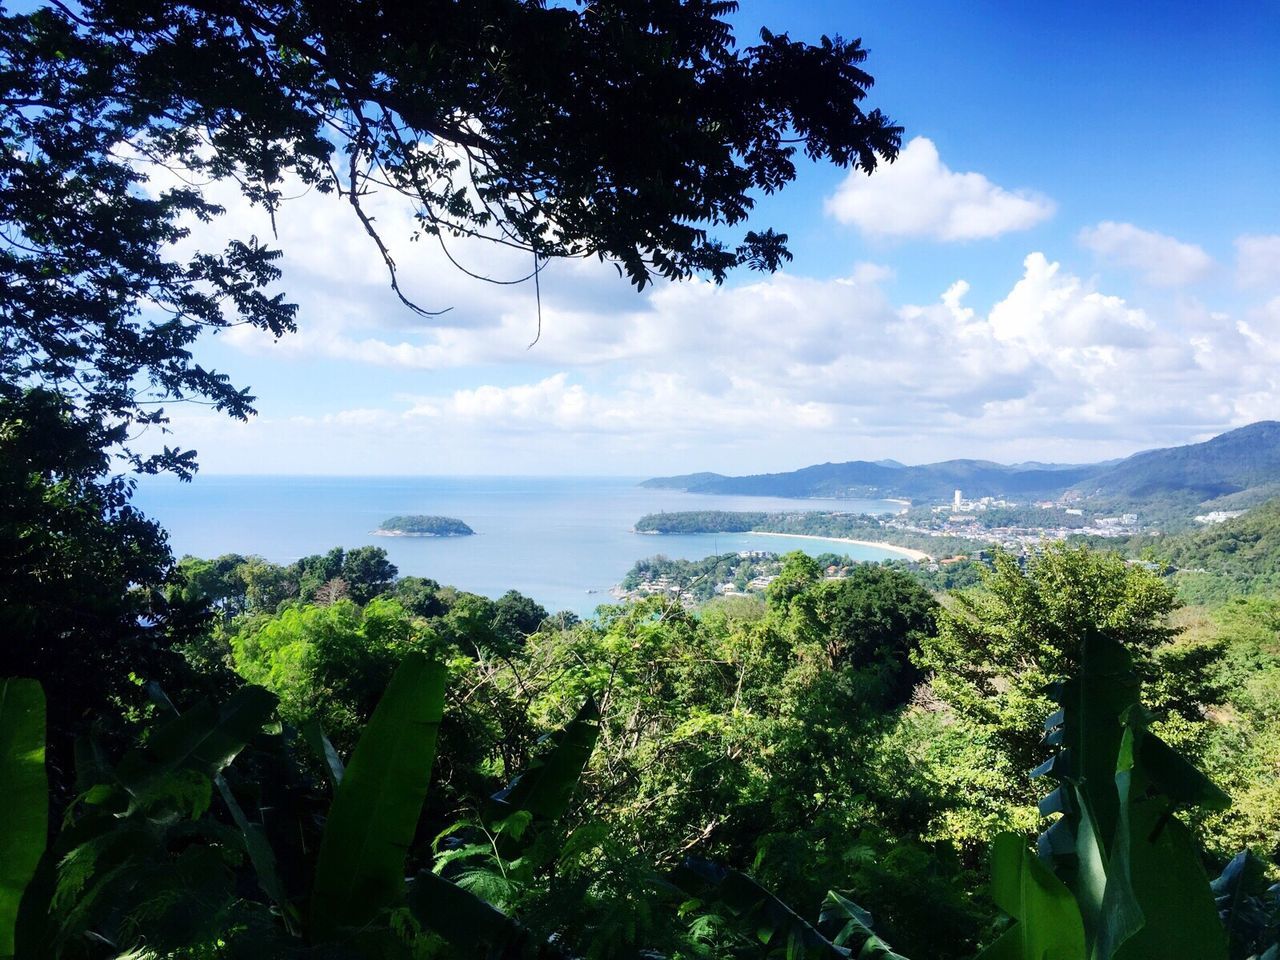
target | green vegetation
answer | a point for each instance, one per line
(700, 579)
(1218, 561)
(419, 525)
(694, 785)
(230, 758)
(702, 521)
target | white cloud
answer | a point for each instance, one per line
(1158, 259)
(791, 370)
(919, 196)
(1258, 260)
(767, 373)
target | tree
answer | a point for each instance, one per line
(367, 573)
(327, 662)
(420, 596)
(314, 571)
(999, 646)
(799, 571)
(636, 132)
(83, 574)
(871, 621)
(220, 582)
(516, 616)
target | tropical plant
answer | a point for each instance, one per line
(1117, 875)
(24, 806)
(150, 864)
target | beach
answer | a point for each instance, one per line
(916, 555)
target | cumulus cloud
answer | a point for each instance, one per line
(789, 370)
(1157, 258)
(765, 373)
(920, 196)
(1258, 260)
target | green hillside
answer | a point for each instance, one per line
(1237, 556)
(1230, 465)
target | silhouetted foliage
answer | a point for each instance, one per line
(636, 132)
(82, 574)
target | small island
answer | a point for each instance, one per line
(423, 526)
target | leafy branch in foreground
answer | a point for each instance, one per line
(117, 116)
(145, 865)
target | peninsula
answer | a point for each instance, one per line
(418, 525)
(855, 528)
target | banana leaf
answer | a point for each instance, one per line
(260, 853)
(546, 787)
(855, 933)
(470, 924)
(314, 735)
(24, 797)
(205, 739)
(1241, 895)
(1048, 923)
(360, 870)
(1154, 867)
(756, 910)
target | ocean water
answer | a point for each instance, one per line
(562, 541)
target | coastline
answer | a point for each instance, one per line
(910, 553)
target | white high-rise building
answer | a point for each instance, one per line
(955, 501)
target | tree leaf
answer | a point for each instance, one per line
(1049, 925)
(545, 788)
(360, 870)
(313, 733)
(24, 797)
(204, 739)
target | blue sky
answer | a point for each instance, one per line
(1077, 256)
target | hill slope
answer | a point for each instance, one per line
(1239, 556)
(861, 478)
(1233, 463)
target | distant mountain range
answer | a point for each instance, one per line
(1238, 468)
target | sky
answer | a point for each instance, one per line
(1076, 256)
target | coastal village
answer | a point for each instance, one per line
(988, 522)
(1011, 525)
(746, 573)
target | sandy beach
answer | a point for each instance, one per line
(905, 551)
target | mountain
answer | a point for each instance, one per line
(864, 479)
(1230, 464)
(1242, 466)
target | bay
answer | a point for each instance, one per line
(564, 541)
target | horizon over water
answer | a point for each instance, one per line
(564, 541)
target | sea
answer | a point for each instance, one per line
(564, 541)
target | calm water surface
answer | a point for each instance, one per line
(562, 541)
